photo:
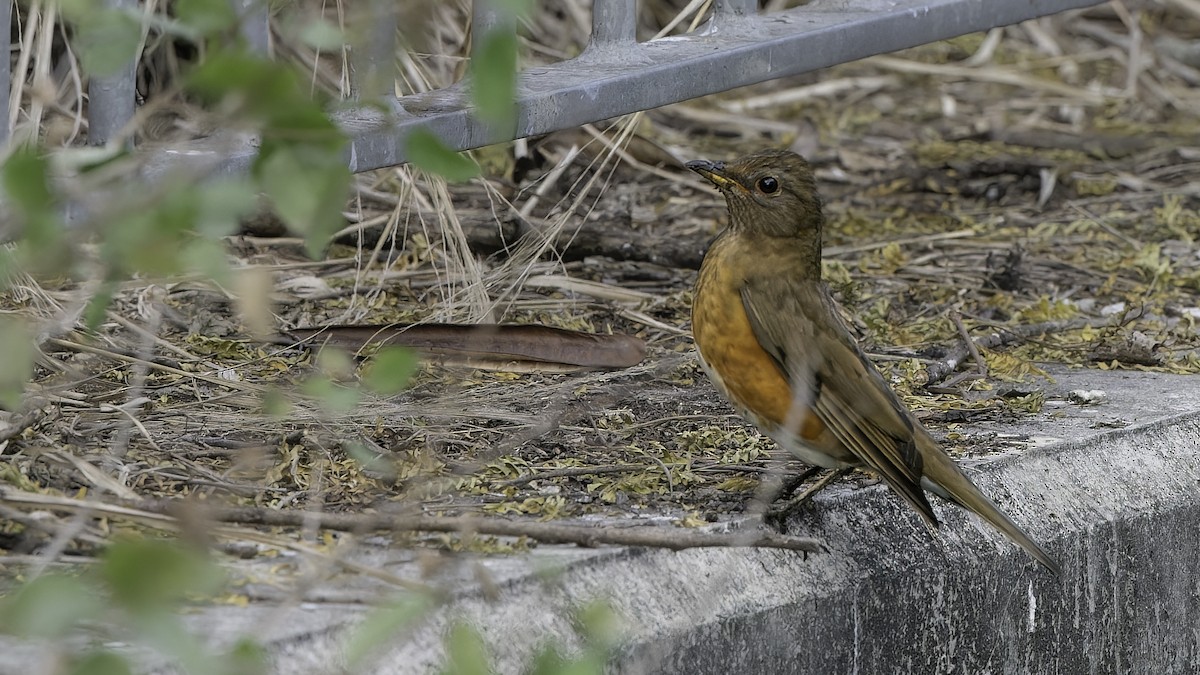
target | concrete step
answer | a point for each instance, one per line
(1119, 508)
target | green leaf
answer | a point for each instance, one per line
(145, 574)
(379, 465)
(598, 623)
(303, 124)
(514, 8)
(275, 403)
(321, 34)
(208, 258)
(231, 71)
(17, 365)
(549, 661)
(76, 10)
(151, 241)
(105, 39)
(161, 237)
(270, 94)
(223, 204)
(206, 16)
(247, 657)
(494, 79)
(48, 607)
(466, 654)
(599, 626)
(390, 370)
(427, 151)
(27, 184)
(101, 662)
(336, 363)
(334, 398)
(26, 180)
(308, 187)
(382, 625)
(300, 164)
(10, 264)
(97, 306)
(163, 630)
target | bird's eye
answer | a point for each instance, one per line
(768, 185)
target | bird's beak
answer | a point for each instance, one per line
(714, 172)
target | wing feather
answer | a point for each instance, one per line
(798, 324)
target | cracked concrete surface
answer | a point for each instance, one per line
(1118, 507)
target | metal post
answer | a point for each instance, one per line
(605, 83)
(375, 56)
(614, 22)
(5, 67)
(486, 18)
(254, 24)
(112, 98)
(736, 7)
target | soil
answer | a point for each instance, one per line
(952, 195)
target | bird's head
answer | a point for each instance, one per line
(769, 192)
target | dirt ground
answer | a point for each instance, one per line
(1047, 174)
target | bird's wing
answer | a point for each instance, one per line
(798, 324)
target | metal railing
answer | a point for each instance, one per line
(614, 75)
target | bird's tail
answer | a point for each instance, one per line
(945, 479)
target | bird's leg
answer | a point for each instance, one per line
(792, 483)
(774, 487)
(778, 513)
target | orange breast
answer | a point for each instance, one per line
(746, 374)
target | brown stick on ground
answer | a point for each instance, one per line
(551, 533)
(956, 355)
(164, 512)
(500, 343)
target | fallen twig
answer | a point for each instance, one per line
(550, 533)
(573, 471)
(996, 74)
(17, 422)
(117, 356)
(941, 369)
(496, 344)
(972, 348)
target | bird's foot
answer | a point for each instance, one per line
(788, 485)
(776, 515)
(774, 486)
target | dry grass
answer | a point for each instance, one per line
(1039, 172)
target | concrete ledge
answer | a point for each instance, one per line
(1120, 512)
(1119, 509)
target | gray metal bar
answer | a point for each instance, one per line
(5, 67)
(736, 7)
(254, 24)
(614, 22)
(605, 83)
(486, 17)
(112, 98)
(375, 56)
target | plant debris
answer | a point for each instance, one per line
(1036, 193)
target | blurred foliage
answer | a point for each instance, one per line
(131, 597)
(138, 592)
(427, 151)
